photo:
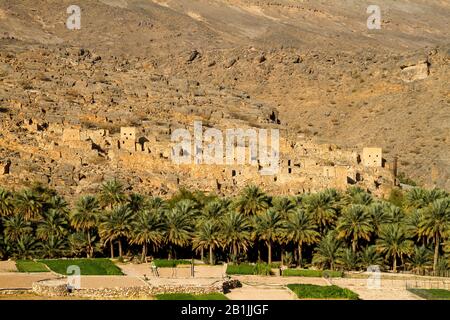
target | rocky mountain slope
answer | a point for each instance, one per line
(313, 63)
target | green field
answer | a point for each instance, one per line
(30, 266)
(87, 266)
(311, 291)
(432, 294)
(243, 268)
(187, 296)
(311, 273)
(164, 263)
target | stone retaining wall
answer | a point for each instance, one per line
(59, 288)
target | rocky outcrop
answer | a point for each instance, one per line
(415, 72)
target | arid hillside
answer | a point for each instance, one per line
(313, 66)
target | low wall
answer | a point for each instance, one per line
(59, 288)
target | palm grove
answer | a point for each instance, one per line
(330, 230)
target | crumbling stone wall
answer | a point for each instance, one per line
(372, 157)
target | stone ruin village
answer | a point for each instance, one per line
(73, 159)
(73, 128)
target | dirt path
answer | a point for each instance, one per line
(8, 266)
(389, 289)
(22, 280)
(261, 292)
(259, 287)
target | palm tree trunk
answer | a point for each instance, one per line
(436, 252)
(395, 263)
(269, 247)
(201, 254)
(144, 251)
(354, 246)
(300, 254)
(89, 244)
(211, 261)
(111, 248)
(120, 248)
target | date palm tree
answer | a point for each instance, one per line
(207, 236)
(6, 203)
(179, 225)
(15, 227)
(420, 259)
(214, 211)
(348, 259)
(26, 247)
(53, 247)
(147, 230)
(447, 248)
(268, 227)
(58, 203)
(301, 229)
(252, 201)
(322, 208)
(435, 224)
(112, 194)
(284, 206)
(394, 242)
(418, 198)
(116, 225)
(355, 224)
(29, 204)
(378, 215)
(356, 195)
(85, 218)
(136, 202)
(77, 243)
(155, 203)
(396, 214)
(236, 232)
(3, 247)
(369, 256)
(54, 224)
(327, 252)
(412, 225)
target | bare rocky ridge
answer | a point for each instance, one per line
(309, 68)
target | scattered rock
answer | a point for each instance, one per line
(261, 59)
(230, 63)
(193, 55)
(415, 72)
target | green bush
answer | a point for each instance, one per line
(432, 294)
(87, 266)
(275, 265)
(311, 291)
(401, 176)
(30, 266)
(243, 268)
(262, 269)
(312, 273)
(164, 263)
